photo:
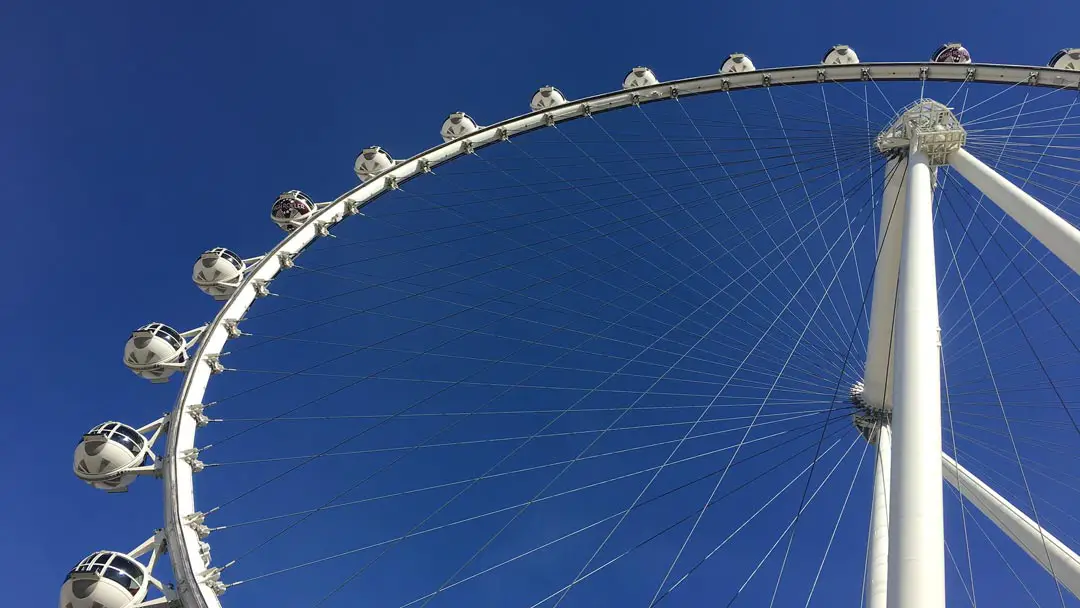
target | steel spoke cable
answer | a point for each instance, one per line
(484, 515)
(988, 117)
(625, 553)
(844, 366)
(959, 573)
(746, 582)
(355, 312)
(702, 185)
(747, 432)
(816, 385)
(784, 533)
(1024, 333)
(794, 382)
(367, 311)
(716, 358)
(293, 410)
(866, 104)
(1002, 91)
(993, 475)
(307, 460)
(428, 445)
(746, 522)
(671, 196)
(952, 432)
(802, 181)
(1004, 415)
(780, 200)
(552, 387)
(570, 186)
(655, 475)
(387, 467)
(784, 402)
(811, 426)
(892, 109)
(836, 394)
(998, 328)
(1058, 477)
(962, 276)
(1001, 555)
(324, 300)
(581, 453)
(705, 229)
(721, 360)
(843, 195)
(836, 526)
(621, 200)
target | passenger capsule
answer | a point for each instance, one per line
(106, 579)
(218, 272)
(639, 77)
(953, 52)
(107, 453)
(292, 209)
(155, 352)
(458, 124)
(1065, 59)
(547, 97)
(737, 63)
(840, 54)
(371, 162)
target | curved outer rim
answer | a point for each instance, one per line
(192, 586)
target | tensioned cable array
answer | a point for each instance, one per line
(506, 381)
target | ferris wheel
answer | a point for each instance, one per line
(785, 336)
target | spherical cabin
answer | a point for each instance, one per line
(292, 209)
(371, 162)
(106, 453)
(736, 63)
(218, 272)
(1065, 59)
(458, 124)
(639, 77)
(840, 54)
(153, 350)
(547, 97)
(953, 52)
(106, 579)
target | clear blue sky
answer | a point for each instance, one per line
(137, 134)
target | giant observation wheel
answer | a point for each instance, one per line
(785, 336)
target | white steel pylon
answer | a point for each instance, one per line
(899, 401)
(916, 517)
(873, 399)
(907, 565)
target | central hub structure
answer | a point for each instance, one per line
(930, 125)
(867, 420)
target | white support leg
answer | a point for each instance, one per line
(916, 527)
(1058, 235)
(1042, 546)
(879, 364)
(877, 572)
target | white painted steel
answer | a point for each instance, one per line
(877, 570)
(188, 570)
(877, 376)
(916, 526)
(1058, 235)
(1042, 546)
